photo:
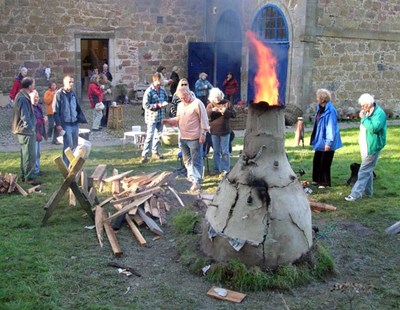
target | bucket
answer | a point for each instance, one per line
(84, 133)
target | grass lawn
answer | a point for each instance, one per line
(61, 266)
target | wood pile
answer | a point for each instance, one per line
(143, 201)
(9, 185)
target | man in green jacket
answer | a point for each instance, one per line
(372, 140)
(24, 126)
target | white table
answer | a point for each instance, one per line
(138, 137)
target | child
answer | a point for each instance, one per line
(40, 128)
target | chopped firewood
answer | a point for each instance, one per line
(130, 190)
(34, 189)
(153, 207)
(162, 211)
(394, 229)
(135, 230)
(112, 238)
(84, 183)
(177, 196)
(130, 206)
(150, 222)
(138, 220)
(137, 195)
(320, 206)
(99, 224)
(161, 179)
(72, 200)
(12, 181)
(118, 176)
(115, 183)
(147, 207)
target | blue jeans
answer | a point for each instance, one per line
(152, 141)
(221, 153)
(37, 163)
(191, 154)
(365, 181)
(70, 139)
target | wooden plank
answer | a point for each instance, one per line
(99, 172)
(115, 183)
(99, 224)
(130, 206)
(72, 200)
(33, 189)
(161, 179)
(118, 176)
(138, 220)
(68, 153)
(112, 238)
(136, 195)
(84, 183)
(153, 207)
(150, 222)
(104, 202)
(21, 190)
(231, 295)
(135, 230)
(12, 181)
(91, 196)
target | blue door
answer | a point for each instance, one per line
(200, 59)
(271, 28)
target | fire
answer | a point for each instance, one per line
(266, 81)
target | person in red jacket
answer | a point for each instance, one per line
(95, 94)
(17, 83)
(231, 87)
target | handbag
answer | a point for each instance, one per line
(99, 106)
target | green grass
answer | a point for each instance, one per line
(61, 266)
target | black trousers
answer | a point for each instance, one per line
(322, 163)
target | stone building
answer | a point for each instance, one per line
(348, 47)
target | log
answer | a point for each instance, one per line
(150, 222)
(135, 230)
(320, 206)
(394, 229)
(112, 238)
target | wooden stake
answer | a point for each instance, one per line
(135, 230)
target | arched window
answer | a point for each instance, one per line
(270, 24)
(270, 27)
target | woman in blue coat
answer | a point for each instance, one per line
(325, 138)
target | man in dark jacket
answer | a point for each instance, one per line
(24, 126)
(67, 115)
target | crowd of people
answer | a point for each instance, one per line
(202, 117)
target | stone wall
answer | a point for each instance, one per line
(142, 35)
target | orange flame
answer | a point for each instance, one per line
(266, 81)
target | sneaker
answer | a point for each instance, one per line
(144, 160)
(157, 156)
(98, 129)
(321, 186)
(350, 198)
(33, 182)
(195, 187)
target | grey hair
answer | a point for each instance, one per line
(366, 99)
(94, 78)
(324, 94)
(174, 68)
(216, 95)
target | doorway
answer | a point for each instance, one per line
(94, 53)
